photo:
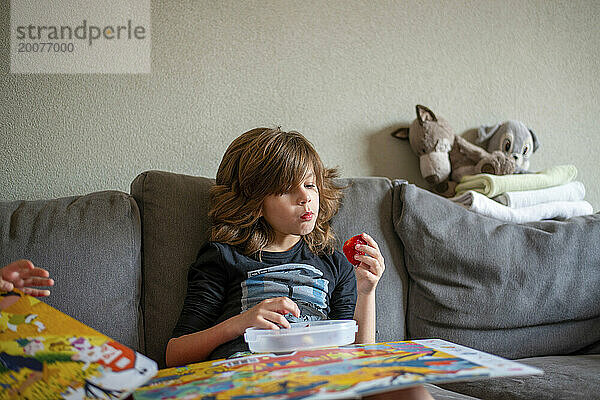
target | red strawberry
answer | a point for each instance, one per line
(350, 251)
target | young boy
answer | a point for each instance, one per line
(271, 259)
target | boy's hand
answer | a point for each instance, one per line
(371, 266)
(21, 275)
(269, 314)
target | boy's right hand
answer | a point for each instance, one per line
(269, 314)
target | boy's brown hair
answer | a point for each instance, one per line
(264, 162)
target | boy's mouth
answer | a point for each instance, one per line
(307, 216)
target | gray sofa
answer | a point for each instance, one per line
(529, 292)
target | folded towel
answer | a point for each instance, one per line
(493, 185)
(481, 204)
(572, 191)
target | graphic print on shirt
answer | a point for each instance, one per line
(302, 283)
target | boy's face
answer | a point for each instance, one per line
(294, 213)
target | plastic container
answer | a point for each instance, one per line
(301, 336)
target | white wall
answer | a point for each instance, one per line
(345, 73)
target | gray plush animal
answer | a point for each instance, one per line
(512, 138)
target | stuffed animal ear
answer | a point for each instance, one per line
(425, 114)
(401, 133)
(536, 143)
(486, 132)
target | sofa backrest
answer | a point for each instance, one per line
(91, 245)
(175, 224)
(514, 290)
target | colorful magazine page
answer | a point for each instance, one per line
(349, 371)
(45, 354)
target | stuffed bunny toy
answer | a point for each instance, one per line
(512, 138)
(445, 157)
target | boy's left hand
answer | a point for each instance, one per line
(371, 266)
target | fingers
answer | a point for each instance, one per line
(22, 273)
(25, 280)
(270, 313)
(368, 250)
(282, 305)
(36, 292)
(36, 271)
(6, 286)
(370, 240)
(269, 320)
(369, 263)
(372, 260)
(274, 320)
(20, 265)
(23, 269)
(35, 281)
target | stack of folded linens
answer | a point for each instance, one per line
(548, 194)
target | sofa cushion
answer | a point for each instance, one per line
(516, 290)
(91, 246)
(175, 225)
(174, 212)
(367, 207)
(565, 377)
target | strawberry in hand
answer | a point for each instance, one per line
(363, 252)
(350, 249)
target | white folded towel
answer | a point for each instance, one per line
(482, 204)
(572, 191)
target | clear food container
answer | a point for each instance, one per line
(301, 336)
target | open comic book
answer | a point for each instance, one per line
(45, 354)
(328, 373)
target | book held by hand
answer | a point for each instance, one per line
(45, 354)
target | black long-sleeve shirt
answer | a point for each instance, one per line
(223, 282)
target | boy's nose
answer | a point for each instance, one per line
(304, 197)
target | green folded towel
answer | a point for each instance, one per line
(493, 185)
